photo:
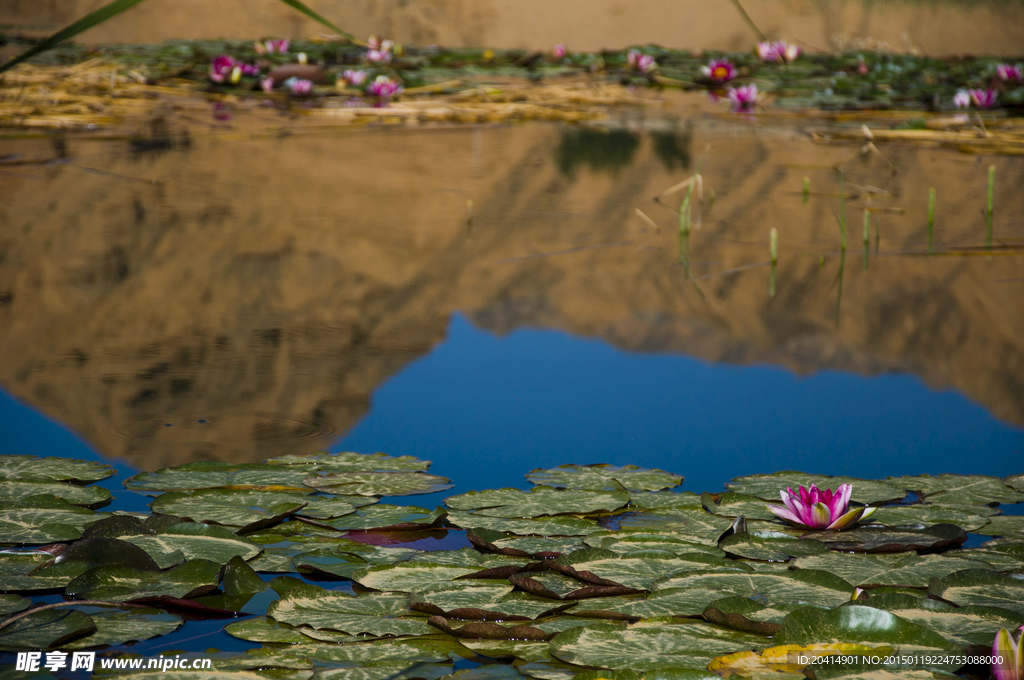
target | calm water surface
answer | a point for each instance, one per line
(229, 294)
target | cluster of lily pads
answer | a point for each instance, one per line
(594, 572)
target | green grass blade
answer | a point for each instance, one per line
(316, 17)
(85, 23)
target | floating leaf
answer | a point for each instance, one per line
(262, 629)
(805, 585)
(24, 572)
(654, 500)
(971, 489)
(870, 539)
(695, 525)
(46, 629)
(391, 517)
(868, 571)
(30, 526)
(646, 648)
(964, 626)
(538, 502)
(605, 478)
(408, 577)
(197, 541)
(378, 483)
(768, 486)
(98, 552)
(14, 492)
(373, 614)
(349, 461)
(11, 603)
(1003, 525)
(117, 628)
(228, 507)
(548, 526)
(627, 541)
(214, 475)
(780, 662)
(635, 570)
(119, 584)
(860, 624)
(1002, 556)
(981, 587)
(34, 468)
(966, 517)
(736, 504)
(772, 547)
(754, 611)
(533, 546)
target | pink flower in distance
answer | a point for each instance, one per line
(558, 52)
(273, 46)
(267, 84)
(222, 68)
(644, 63)
(816, 509)
(1009, 73)
(719, 70)
(743, 98)
(1011, 651)
(983, 99)
(788, 51)
(766, 52)
(962, 99)
(353, 77)
(299, 86)
(378, 56)
(383, 87)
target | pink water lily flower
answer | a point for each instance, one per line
(1009, 73)
(1011, 651)
(272, 46)
(299, 86)
(353, 77)
(383, 87)
(983, 99)
(558, 52)
(743, 98)
(224, 67)
(788, 51)
(644, 63)
(816, 509)
(719, 70)
(778, 51)
(766, 51)
(962, 99)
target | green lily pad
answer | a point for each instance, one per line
(35, 469)
(661, 603)
(968, 625)
(46, 629)
(774, 547)
(236, 508)
(981, 587)
(921, 515)
(468, 594)
(30, 526)
(527, 650)
(263, 629)
(349, 461)
(119, 584)
(860, 624)
(388, 670)
(117, 628)
(634, 570)
(373, 614)
(694, 525)
(392, 517)
(548, 526)
(18, 571)
(654, 500)
(1003, 556)
(969, 489)
(11, 603)
(605, 478)
(481, 600)
(538, 502)
(736, 504)
(871, 539)
(755, 611)
(868, 571)
(768, 486)
(332, 562)
(805, 585)
(626, 541)
(378, 483)
(15, 493)
(534, 545)
(409, 577)
(1003, 525)
(218, 475)
(642, 647)
(195, 540)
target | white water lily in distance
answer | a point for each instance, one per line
(816, 509)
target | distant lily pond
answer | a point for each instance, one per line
(595, 572)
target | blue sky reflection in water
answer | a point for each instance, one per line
(488, 409)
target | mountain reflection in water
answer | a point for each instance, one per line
(268, 292)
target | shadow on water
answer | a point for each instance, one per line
(598, 150)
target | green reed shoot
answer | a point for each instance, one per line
(773, 248)
(807, 189)
(931, 218)
(867, 236)
(842, 209)
(988, 211)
